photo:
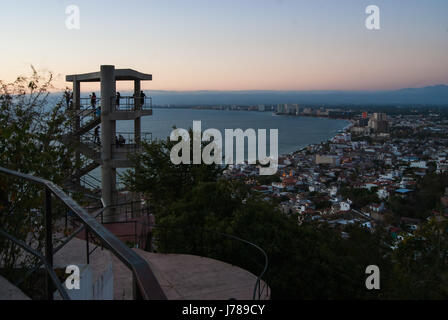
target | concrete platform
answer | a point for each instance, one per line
(130, 114)
(10, 292)
(182, 277)
(187, 277)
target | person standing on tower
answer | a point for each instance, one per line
(142, 99)
(117, 101)
(96, 135)
(93, 100)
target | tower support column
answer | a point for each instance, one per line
(76, 122)
(107, 139)
(137, 207)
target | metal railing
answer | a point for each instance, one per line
(93, 141)
(84, 104)
(125, 103)
(89, 103)
(145, 283)
(129, 139)
(85, 115)
(90, 182)
(122, 103)
(193, 240)
(212, 244)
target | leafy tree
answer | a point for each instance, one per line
(30, 131)
(360, 196)
(160, 180)
(310, 261)
(421, 264)
(424, 199)
(268, 180)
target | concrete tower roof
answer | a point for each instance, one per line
(120, 75)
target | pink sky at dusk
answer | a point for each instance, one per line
(233, 45)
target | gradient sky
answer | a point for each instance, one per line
(233, 44)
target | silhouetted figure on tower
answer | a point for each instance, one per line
(96, 135)
(117, 101)
(142, 99)
(93, 100)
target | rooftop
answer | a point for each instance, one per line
(120, 75)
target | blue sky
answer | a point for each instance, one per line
(234, 45)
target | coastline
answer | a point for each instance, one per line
(341, 131)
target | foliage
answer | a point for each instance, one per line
(421, 263)
(30, 131)
(268, 180)
(310, 261)
(424, 199)
(160, 180)
(360, 196)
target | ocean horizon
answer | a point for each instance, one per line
(295, 132)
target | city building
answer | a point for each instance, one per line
(328, 160)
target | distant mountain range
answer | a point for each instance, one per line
(433, 95)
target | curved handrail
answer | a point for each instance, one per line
(266, 260)
(257, 288)
(148, 286)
